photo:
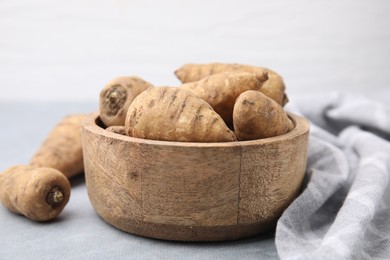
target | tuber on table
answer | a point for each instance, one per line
(116, 97)
(39, 193)
(221, 90)
(274, 87)
(257, 116)
(174, 114)
(62, 148)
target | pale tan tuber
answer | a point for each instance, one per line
(62, 148)
(40, 194)
(257, 116)
(174, 114)
(116, 97)
(274, 87)
(117, 129)
(221, 90)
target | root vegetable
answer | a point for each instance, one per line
(174, 114)
(274, 87)
(221, 90)
(116, 97)
(117, 129)
(40, 194)
(257, 116)
(62, 149)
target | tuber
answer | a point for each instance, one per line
(117, 129)
(40, 194)
(116, 97)
(62, 149)
(174, 114)
(221, 90)
(274, 87)
(257, 116)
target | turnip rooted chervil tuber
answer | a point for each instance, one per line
(62, 148)
(257, 116)
(39, 193)
(116, 97)
(174, 114)
(274, 87)
(221, 90)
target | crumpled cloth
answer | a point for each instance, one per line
(343, 211)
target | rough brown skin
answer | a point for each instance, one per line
(174, 114)
(274, 87)
(62, 148)
(40, 194)
(257, 116)
(117, 129)
(116, 97)
(221, 90)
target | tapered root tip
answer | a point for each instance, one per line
(262, 77)
(285, 99)
(180, 74)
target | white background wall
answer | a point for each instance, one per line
(68, 50)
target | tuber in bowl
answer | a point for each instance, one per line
(193, 191)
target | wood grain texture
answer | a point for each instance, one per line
(193, 191)
(190, 185)
(103, 153)
(271, 174)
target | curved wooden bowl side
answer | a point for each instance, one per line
(193, 191)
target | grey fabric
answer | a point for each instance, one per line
(344, 212)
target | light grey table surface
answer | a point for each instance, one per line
(79, 233)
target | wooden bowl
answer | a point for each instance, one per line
(193, 191)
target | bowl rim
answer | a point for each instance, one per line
(301, 126)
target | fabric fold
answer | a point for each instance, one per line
(344, 211)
